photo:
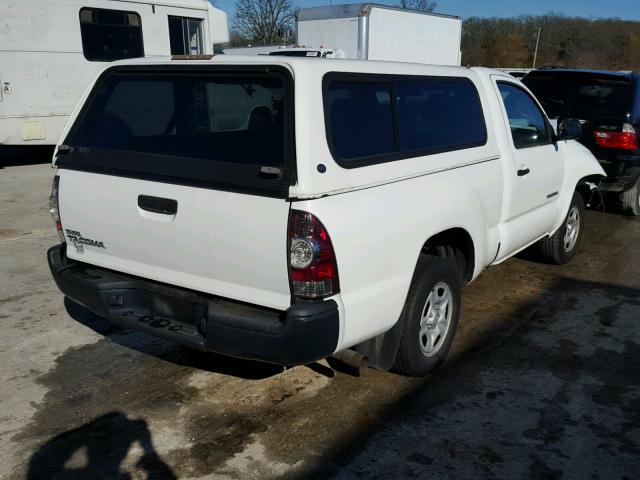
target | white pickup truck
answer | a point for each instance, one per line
(286, 209)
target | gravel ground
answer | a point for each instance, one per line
(542, 381)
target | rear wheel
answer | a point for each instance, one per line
(431, 314)
(630, 200)
(560, 247)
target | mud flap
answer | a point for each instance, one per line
(381, 350)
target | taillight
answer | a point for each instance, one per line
(624, 140)
(53, 207)
(312, 261)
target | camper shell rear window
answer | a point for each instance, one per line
(209, 127)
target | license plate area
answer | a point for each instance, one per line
(163, 306)
(160, 312)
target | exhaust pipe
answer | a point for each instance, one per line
(352, 358)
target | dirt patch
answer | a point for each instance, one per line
(9, 233)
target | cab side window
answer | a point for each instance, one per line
(528, 125)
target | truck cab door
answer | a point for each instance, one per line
(536, 169)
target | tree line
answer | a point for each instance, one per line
(576, 42)
(493, 42)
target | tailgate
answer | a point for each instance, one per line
(182, 177)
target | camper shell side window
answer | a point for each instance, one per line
(372, 119)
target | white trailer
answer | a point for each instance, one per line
(367, 31)
(50, 50)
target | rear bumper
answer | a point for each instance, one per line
(305, 332)
(622, 174)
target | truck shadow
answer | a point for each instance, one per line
(97, 451)
(548, 388)
(543, 381)
(171, 352)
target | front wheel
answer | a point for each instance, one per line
(431, 314)
(560, 247)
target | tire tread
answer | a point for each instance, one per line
(405, 362)
(629, 200)
(551, 249)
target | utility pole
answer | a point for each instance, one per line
(535, 54)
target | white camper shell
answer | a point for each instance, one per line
(284, 209)
(51, 49)
(367, 31)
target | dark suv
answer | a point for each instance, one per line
(608, 104)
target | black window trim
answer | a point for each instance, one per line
(277, 188)
(115, 10)
(550, 131)
(391, 80)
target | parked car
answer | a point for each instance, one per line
(214, 204)
(608, 103)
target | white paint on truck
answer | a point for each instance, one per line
(379, 213)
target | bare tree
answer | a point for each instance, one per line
(421, 5)
(265, 22)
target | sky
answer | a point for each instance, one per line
(625, 9)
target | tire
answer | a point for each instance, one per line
(434, 278)
(630, 200)
(561, 247)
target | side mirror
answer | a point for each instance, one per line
(569, 129)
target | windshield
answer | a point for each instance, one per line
(582, 94)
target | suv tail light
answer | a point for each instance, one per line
(312, 261)
(53, 207)
(625, 140)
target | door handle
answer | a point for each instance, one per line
(164, 206)
(523, 171)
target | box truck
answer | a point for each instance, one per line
(368, 31)
(51, 49)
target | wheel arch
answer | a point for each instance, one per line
(452, 243)
(585, 186)
(581, 168)
(455, 244)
